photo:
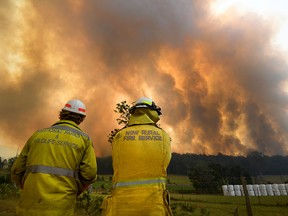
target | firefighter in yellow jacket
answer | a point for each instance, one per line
(141, 154)
(56, 164)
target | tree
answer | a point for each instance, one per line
(122, 108)
(209, 177)
(11, 162)
(203, 179)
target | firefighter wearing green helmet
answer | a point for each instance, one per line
(56, 165)
(141, 153)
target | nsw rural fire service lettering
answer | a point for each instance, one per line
(142, 135)
(56, 142)
(53, 130)
(72, 133)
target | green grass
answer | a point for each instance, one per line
(179, 184)
(185, 204)
(199, 205)
(179, 180)
(224, 205)
(277, 179)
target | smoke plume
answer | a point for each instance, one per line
(217, 79)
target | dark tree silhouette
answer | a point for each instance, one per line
(122, 108)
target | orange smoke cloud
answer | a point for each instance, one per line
(216, 80)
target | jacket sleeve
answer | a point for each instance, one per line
(88, 165)
(19, 167)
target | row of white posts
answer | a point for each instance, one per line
(256, 190)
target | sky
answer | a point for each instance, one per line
(218, 69)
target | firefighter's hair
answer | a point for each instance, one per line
(67, 115)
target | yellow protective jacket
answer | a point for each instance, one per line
(141, 154)
(55, 165)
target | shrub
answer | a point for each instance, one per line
(8, 190)
(91, 203)
(183, 208)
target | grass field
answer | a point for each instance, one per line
(199, 205)
(220, 205)
(183, 204)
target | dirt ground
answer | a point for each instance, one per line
(7, 207)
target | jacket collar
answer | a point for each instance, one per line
(143, 116)
(67, 122)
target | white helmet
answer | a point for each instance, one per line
(144, 102)
(75, 106)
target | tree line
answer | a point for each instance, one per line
(255, 163)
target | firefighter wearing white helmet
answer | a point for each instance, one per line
(141, 153)
(56, 165)
(75, 106)
(75, 109)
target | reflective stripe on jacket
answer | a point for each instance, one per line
(53, 170)
(142, 182)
